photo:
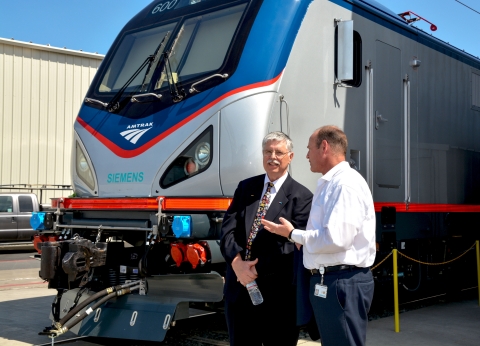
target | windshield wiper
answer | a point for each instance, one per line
(114, 105)
(172, 78)
(157, 54)
(177, 95)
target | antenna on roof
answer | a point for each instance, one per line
(412, 19)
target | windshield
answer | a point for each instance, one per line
(133, 51)
(197, 46)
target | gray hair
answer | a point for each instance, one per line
(280, 137)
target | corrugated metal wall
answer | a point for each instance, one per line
(41, 90)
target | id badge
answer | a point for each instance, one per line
(320, 291)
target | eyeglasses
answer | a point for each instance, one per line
(278, 154)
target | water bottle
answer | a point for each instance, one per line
(254, 292)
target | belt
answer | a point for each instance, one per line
(334, 269)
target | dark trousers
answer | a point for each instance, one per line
(271, 323)
(342, 316)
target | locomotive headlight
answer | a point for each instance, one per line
(83, 169)
(82, 163)
(193, 160)
(202, 153)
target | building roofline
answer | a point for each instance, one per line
(49, 48)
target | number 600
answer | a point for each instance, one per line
(167, 5)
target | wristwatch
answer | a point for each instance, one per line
(290, 236)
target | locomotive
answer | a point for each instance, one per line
(175, 117)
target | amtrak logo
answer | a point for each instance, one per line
(134, 132)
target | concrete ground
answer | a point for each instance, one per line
(25, 302)
(453, 323)
(23, 312)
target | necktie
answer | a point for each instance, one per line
(262, 210)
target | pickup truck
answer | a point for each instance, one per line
(15, 212)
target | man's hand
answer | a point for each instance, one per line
(282, 229)
(244, 270)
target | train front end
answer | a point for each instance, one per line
(173, 120)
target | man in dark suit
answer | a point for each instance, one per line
(339, 243)
(253, 254)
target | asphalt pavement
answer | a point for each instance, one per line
(25, 305)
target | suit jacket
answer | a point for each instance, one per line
(274, 252)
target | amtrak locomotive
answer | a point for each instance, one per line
(175, 117)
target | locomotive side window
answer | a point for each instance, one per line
(356, 60)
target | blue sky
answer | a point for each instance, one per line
(89, 25)
(92, 25)
(457, 24)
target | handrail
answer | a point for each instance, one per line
(192, 87)
(395, 275)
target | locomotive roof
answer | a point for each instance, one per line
(375, 12)
(378, 13)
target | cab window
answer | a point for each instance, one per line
(25, 204)
(6, 204)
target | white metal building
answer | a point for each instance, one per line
(41, 90)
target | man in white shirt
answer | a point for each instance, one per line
(339, 242)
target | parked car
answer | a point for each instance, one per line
(15, 212)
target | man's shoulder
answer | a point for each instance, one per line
(349, 174)
(352, 179)
(255, 180)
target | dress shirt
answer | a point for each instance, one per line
(341, 225)
(277, 184)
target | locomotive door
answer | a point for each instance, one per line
(387, 124)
